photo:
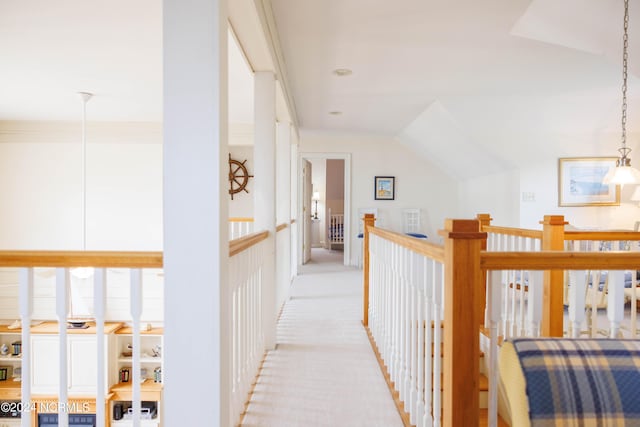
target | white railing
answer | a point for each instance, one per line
(240, 227)
(246, 289)
(405, 318)
(521, 314)
(62, 384)
(283, 265)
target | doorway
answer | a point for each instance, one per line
(325, 206)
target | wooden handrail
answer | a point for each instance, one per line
(243, 243)
(557, 260)
(281, 227)
(419, 246)
(240, 219)
(80, 259)
(512, 231)
(601, 235)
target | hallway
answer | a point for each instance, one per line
(323, 372)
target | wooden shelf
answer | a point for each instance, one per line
(11, 358)
(142, 360)
(4, 329)
(10, 389)
(127, 330)
(52, 328)
(149, 390)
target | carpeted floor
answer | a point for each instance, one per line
(323, 372)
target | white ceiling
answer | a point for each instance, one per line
(505, 79)
(470, 75)
(49, 50)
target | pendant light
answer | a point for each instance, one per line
(84, 272)
(623, 173)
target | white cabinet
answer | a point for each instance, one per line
(82, 369)
(45, 366)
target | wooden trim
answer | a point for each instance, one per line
(80, 259)
(555, 260)
(243, 243)
(601, 235)
(463, 281)
(395, 395)
(419, 246)
(240, 219)
(511, 231)
(281, 227)
(128, 330)
(553, 293)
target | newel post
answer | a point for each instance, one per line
(553, 296)
(463, 282)
(369, 221)
(485, 221)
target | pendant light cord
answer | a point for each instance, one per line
(625, 57)
(85, 96)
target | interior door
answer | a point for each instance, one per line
(307, 189)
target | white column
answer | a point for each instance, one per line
(283, 171)
(295, 248)
(265, 191)
(283, 212)
(196, 251)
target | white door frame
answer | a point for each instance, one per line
(347, 198)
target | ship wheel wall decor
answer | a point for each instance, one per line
(238, 176)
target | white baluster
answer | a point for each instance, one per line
(615, 306)
(595, 289)
(420, 302)
(413, 326)
(438, 293)
(577, 295)
(99, 304)
(26, 309)
(62, 310)
(136, 312)
(535, 302)
(429, 275)
(405, 312)
(494, 308)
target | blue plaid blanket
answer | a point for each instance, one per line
(581, 382)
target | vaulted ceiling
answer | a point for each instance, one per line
(475, 86)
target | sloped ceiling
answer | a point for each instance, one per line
(510, 81)
(504, 82)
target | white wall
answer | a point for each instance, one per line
(496, 194)
(41, 186)
(503, 196)
(541, 179)
(419, 183)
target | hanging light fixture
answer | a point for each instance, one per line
(84, 272)
(623, 173)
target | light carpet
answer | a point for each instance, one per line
(323, 371)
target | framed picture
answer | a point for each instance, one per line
(385, 188)
(580, 182)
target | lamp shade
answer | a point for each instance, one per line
(622, 175)
(316, 195)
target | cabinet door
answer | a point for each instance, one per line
(82, 368)
(45, 369)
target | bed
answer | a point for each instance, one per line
(335, 229)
